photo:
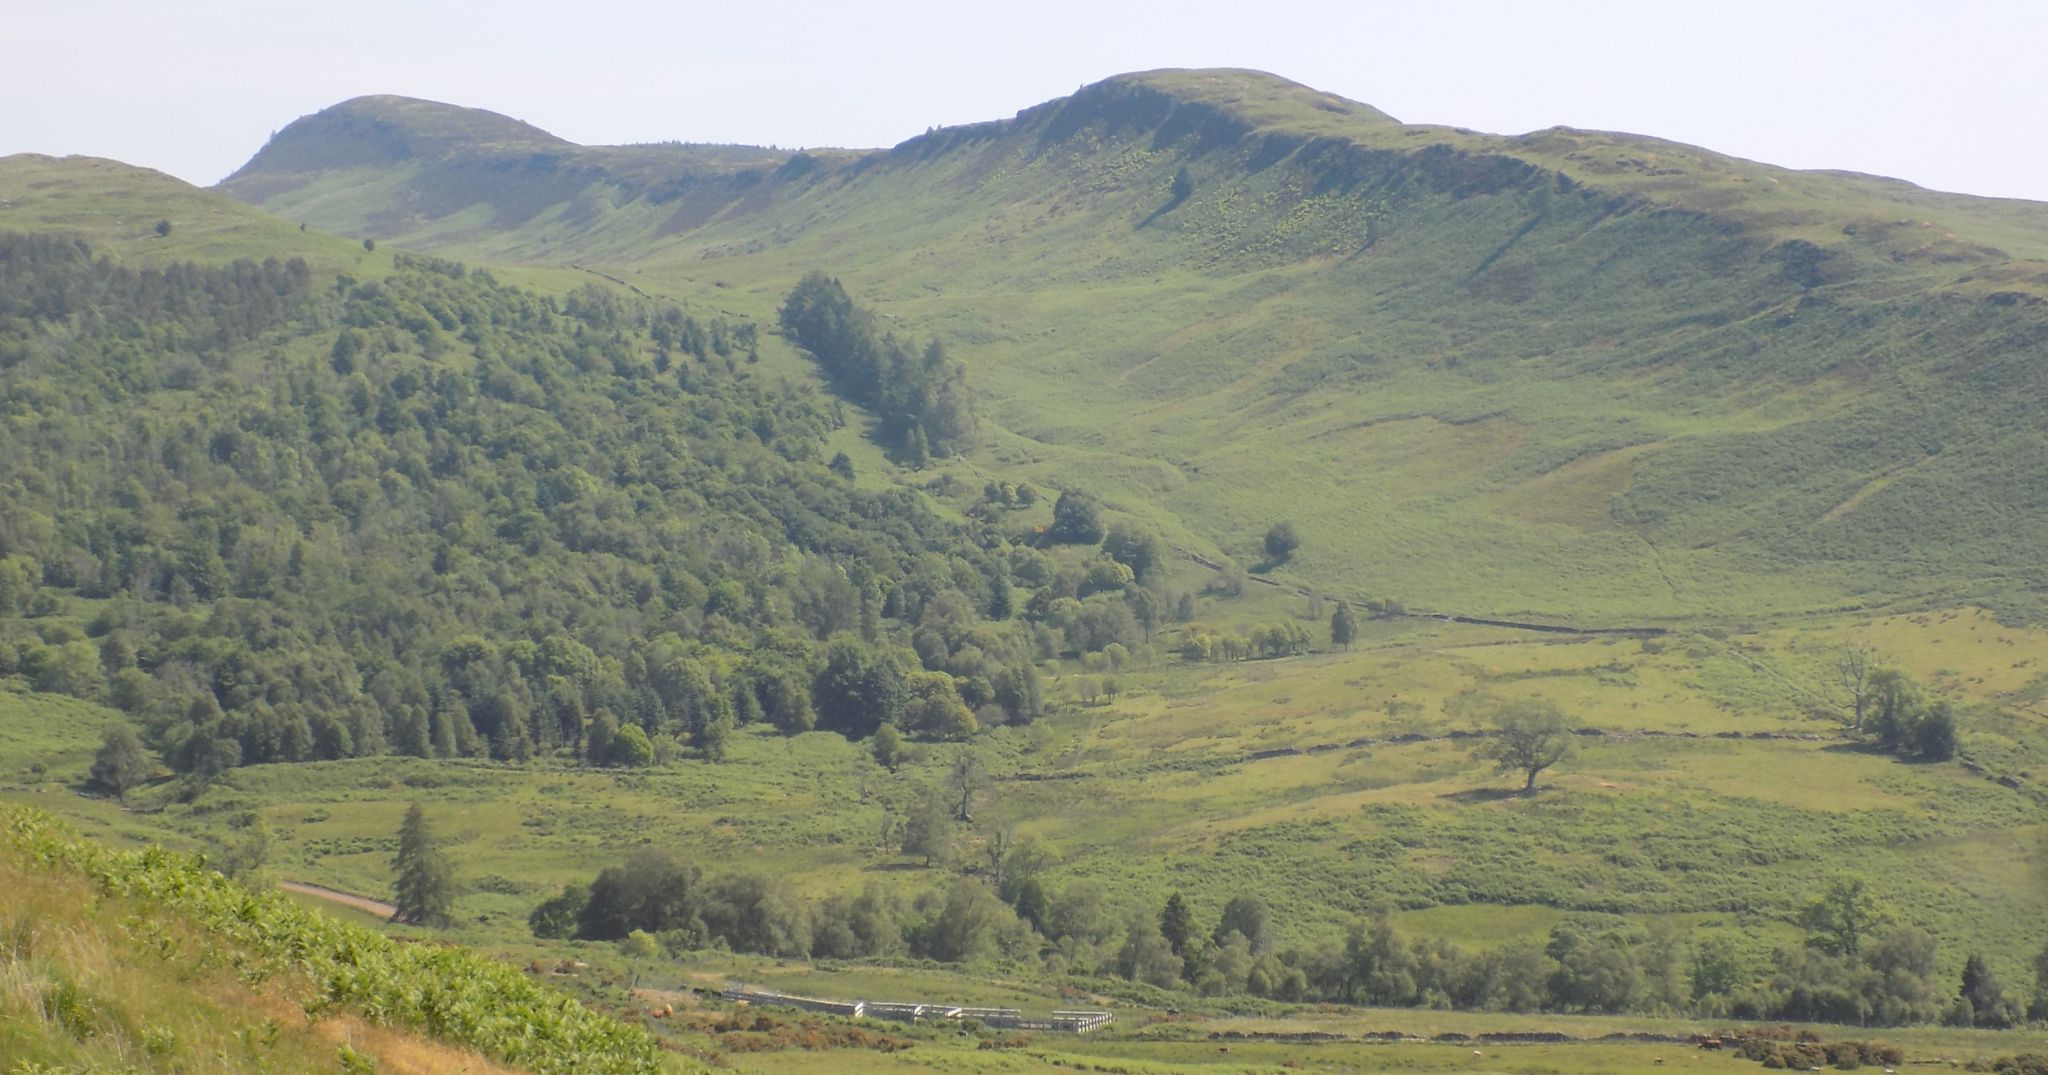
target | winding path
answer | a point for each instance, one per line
(360, 903)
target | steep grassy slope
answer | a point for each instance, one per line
(1588, 375)
(116, 207)
(144, 962)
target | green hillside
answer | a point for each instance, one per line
(145, 961)
(278, 516)
(118, 207)
(1588, 376)
(858, 572)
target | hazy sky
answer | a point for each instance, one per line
(1950, 94)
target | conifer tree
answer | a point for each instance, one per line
(1343, 626)
(1176, 923)
(426, 886)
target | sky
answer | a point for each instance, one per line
(1952, 95)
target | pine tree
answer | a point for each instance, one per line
(442, 733)
(1343, 626)
(426, 885)
(1176, 923)
(414, 732)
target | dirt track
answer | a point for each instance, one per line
(360, 903)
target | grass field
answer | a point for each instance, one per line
(1675, 810)
(91, 980)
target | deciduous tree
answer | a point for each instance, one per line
(1246, 916)
(1529, 736)
(1076, 519)
(1852, 672)
(965, 780)
(928, 831)
(1840, 919)
(1281, 541)
(121, 764)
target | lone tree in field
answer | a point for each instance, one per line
(1281, 541)
(1343, 625)
(928, 830)
(426, 886)
(120, 764)
(1852, 671)
(963, 780)
(1529, 736)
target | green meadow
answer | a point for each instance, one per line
(1711, 787)
(1659, 819)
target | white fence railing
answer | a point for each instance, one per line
(1071, 1022)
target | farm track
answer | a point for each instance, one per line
(360, 903)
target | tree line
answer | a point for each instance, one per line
(1855, 967)
(919, 393)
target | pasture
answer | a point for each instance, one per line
(1710, 788)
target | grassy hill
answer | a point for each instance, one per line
(143, 961)
(1590, 376)
(117, 207)
(331, 509)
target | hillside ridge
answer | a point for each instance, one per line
(1218, 107)
(1725, 352)
(390, 127)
